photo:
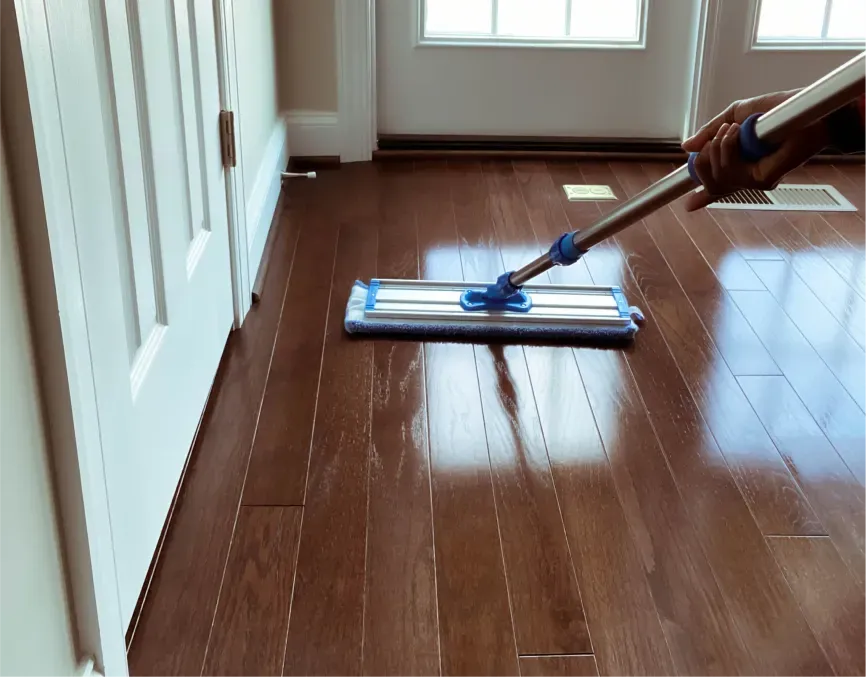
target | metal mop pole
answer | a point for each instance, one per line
(758, 135)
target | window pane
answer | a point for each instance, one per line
(449, 17)
(604, 19)
(847, 20)
(532, 18)
(791, 19)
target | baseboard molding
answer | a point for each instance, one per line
(264, 195)
(313, 133)
(562, 155)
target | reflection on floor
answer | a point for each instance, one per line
(691, 505)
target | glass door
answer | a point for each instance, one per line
(760, 46)
(594, 69)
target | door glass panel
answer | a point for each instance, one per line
(791, 19)
(847, 20)
(818, 22)
(617, 19)
(449, 17)
(516, 20)
(539, 18)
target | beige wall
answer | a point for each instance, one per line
(35, 630)
(306, 54)
(257, 83)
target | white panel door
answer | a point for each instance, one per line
(160, 315)
(571, 68)
(760, 46)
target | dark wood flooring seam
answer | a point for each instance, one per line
(486, 441)
(559, 506)
(321, 364)
(292, 595)
(554, 655)
(429, 455)
(369, 467)
(249, 456)
(493, 494)
(805, 338)
(568, 547)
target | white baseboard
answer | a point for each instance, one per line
(313, 132)
(264, 195)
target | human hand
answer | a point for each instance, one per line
(719, 164)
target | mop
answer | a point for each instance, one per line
(511, 309)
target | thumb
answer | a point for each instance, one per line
(698, 199)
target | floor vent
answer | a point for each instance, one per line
(788, 196)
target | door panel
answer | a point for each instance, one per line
(172, 308)
(530, 90)
(738, 70)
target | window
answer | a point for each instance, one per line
(535, 22)
(805, 23)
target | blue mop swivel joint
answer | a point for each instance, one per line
(752, 148)
(563, 252)
(501, 295)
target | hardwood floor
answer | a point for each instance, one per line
(691, 504)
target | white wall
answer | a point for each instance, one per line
(263, 150)
(36, 635)
(307, 54)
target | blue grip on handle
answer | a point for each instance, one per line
(751, 147)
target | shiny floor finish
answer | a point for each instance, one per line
(692, 504)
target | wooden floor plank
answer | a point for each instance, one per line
(829, 597)
(716, 249)
(756, 594)
(833, 344)
(172, 632)
(831, 488)
(623, 621)
(475, 626)
(741, 229)
(849, 228)
(401, 635)
(732, 335)
(277, 473)
(249, 631)
(545, 601)
(840, 299)
(708, 642)
(826, 399)
(624, 624)
(759, 471)
(558, 666)
(325, 627)
(848, 224)
(706, 638)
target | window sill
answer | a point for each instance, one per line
(530, 43)
(807, 46)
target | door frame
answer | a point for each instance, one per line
(47, 35)
(355, 31)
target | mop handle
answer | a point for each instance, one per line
(759, 136)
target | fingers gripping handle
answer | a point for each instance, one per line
(752, 148)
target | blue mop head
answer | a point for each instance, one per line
(356, 322)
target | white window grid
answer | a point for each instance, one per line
(824, 42)
(493, 40)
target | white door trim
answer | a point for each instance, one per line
(704, 66)
(242, 282)
(49, 35)
(356, 78)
